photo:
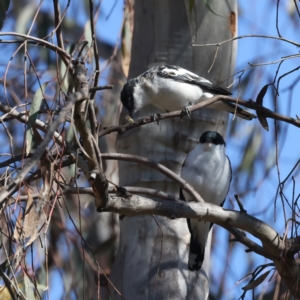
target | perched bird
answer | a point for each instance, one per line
(208, 170)
(171, 88)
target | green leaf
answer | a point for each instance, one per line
(33, 112)
(4, 5)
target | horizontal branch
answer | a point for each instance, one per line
(265, 111)
(137, 205)
(150, 119)
(249, 104)
(239, 235)
(100, 88)
(117, 190)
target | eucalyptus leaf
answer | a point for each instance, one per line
(259, 100)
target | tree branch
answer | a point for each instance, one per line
(137, 205)
(64, 55)
(34, 160)
(249, 104)
(155, 165)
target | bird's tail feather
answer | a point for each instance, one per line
(234, 109)
(199, 233)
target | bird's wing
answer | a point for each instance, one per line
(230, 171)
(234, 109)
(221, 204)
(149, 74)
(181, 196)
(182, 75)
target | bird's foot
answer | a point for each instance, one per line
(186, 111)
(155, 118)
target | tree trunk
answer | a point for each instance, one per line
(151, 262)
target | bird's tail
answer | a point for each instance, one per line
(199, 233)
(234, 109)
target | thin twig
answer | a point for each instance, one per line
(249, 36)
(99, 88)
(33, 161)
(64, 55)
(58, 20)
(277, 18)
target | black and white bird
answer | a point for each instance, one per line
(171, 88)
(208, 170)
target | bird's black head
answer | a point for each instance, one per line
(127, 96)
(212, 137)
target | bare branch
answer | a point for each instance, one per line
(249, 104)
(155, 165)
(58, 20)
(137, 205)
(34, 160)
(64, 55)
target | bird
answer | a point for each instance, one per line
(208, 170)
(171, 88)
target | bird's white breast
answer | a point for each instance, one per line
(207, 169)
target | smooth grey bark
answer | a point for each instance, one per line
(150, 264)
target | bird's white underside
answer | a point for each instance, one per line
(165, 94)
(208, 170)
(206, 165)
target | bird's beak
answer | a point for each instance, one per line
(129, 119)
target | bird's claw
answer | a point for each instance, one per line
(155, 118)
(186, 111)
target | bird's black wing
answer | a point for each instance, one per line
(221, 205)
(229, 180)
(181, 196)
(212, 88)
(179, 74)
